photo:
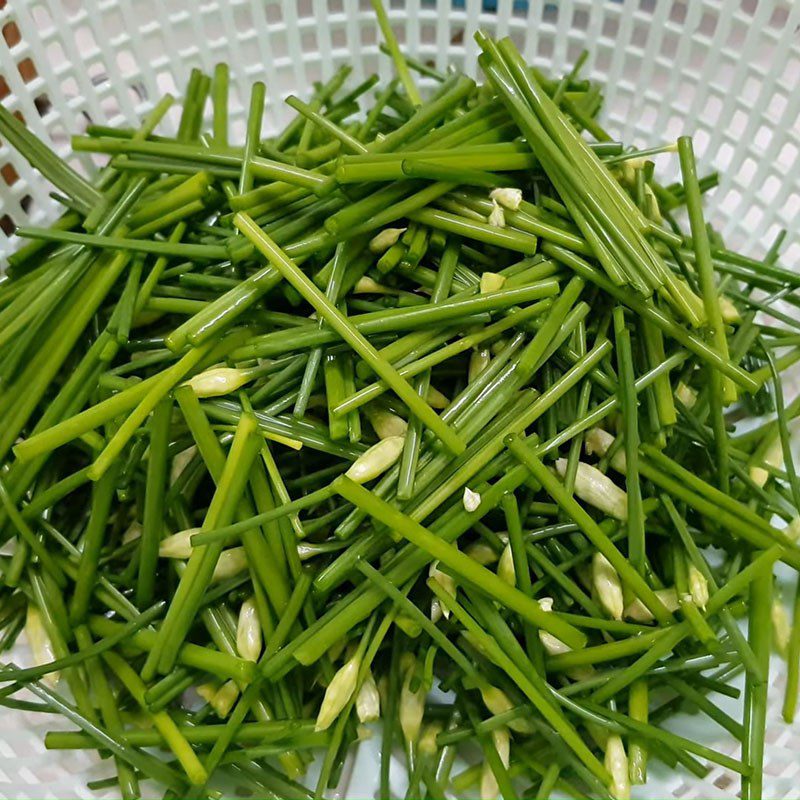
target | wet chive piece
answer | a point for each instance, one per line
(431, 386)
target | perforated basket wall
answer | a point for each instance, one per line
(727, 71)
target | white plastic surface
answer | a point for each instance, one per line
(726, 71)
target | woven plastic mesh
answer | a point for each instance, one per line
(726, 71)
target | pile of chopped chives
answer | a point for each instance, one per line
(416, 393)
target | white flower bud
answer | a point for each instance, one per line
(133, 532)
(505, 567)
(435, 399)
(40, 644)
(218, 381)
(447, 583)
(507, 196)
(180, 462)
(686, 395)
(230, 563)
(248, 631)
(376, 460)
(383, 240)
(363, 733)
(792, 530)
(597, 442)
(502, 743)
(652, 208)
(471, 500)
(427, 741)
(491, 282)
(597, 489)
(498, 702)
(639, 612)
(410, 627)
(608, 586)
(616, 762)
(781, 627)
(412, 706)
(386, 424)
(224, 698)
(179, 545)
(698, 587)
(338, 693)
(366, 285)
(730, 314)
(478, 361)
(551, 644)
(482, 553)
(496, 218)
(773, 457)
(206, 691)
(368, 700)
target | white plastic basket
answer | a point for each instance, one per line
(726, 71)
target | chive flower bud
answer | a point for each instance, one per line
(639, 612)
(338, 693)
(446, 582)
(686, 395)
(376, 460)
(607, 585)
(550, 643)
(616, 762)
(368, 700)
(218, 381)
(471, 500)
(497, 217)
(248, 631)
(478, 361)
(427, 746)
(230, 563)
(40, 644)
(772, 457)
(224, 698)
(498, 702)
(505, 567)
(180, 462)
(730, 314)
(179, 545)
(781, 627)
(491, 282)
(698, 587)
(386, 424)
(366, 285)
(507, 196)
(412, 705)
(132, 533)
(383, 240)
(435, 399)
(501, 739)
(481, 553)
(792, 530)
(597, 489)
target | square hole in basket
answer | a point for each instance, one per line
(712, 109)
(639, 35)
(55, 54)
(788, 155)
(763, 137)
(708, 23)
(335, 6)
(544, 48)
(677, 13)
(27, 70)
(243, 18)
(9, 174)
(308, 41)
(580, 19)
(273, 12)
(7, 225)
(724, 155)
(669, 45)
(11, 34)
(42, 18)
(610, 27)
(749, 7)
(339, 37)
